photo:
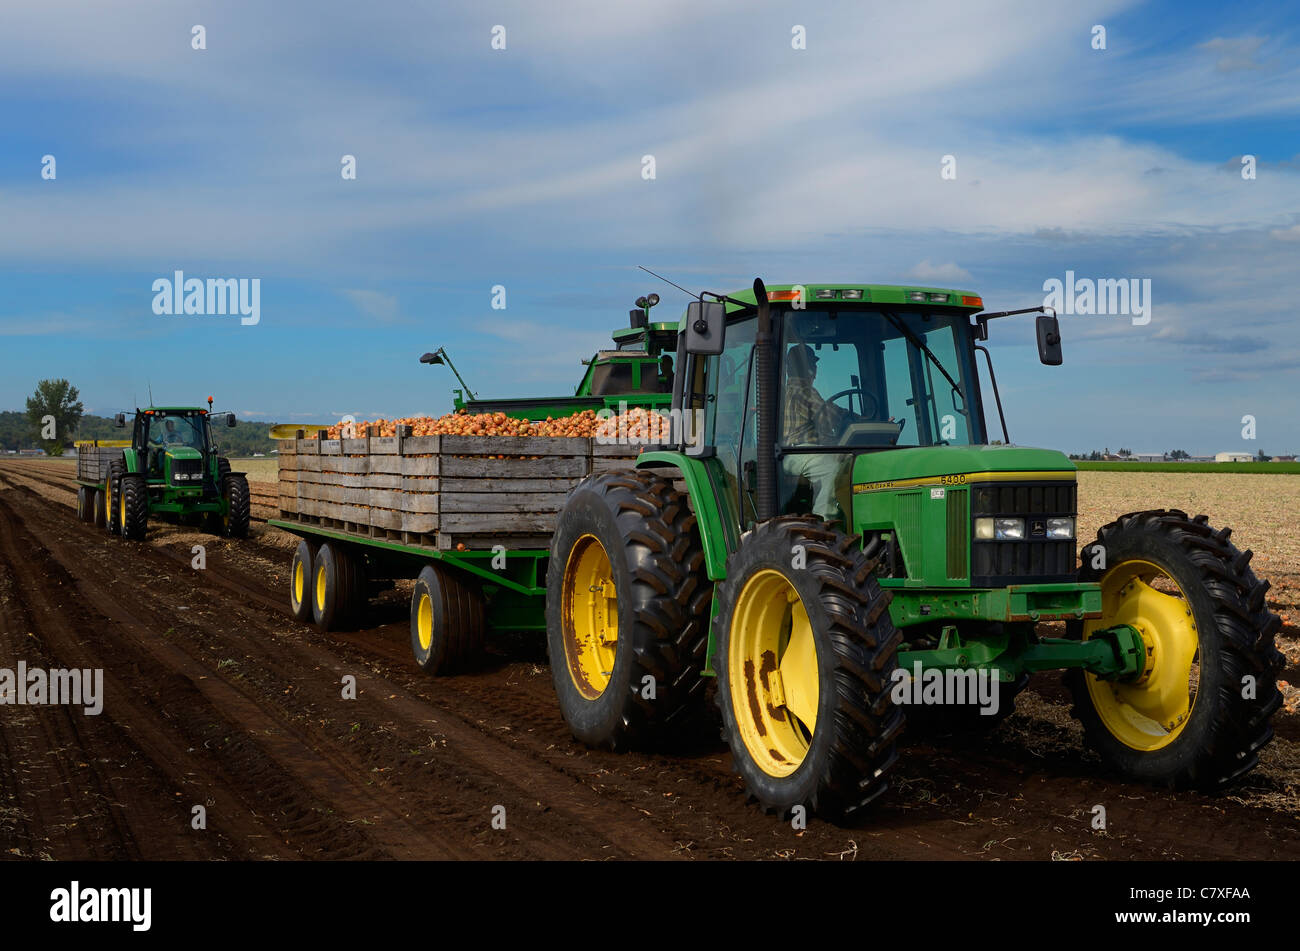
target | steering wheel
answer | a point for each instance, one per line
(863, 397)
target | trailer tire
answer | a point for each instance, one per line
(300, 581)
(633, 533)
(134, 506)
(1217, 739)
(98, 516)
(234, 489)
(338, 587)
(82, 506)
(448, 620)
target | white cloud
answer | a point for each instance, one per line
(948, 272)
(374, 304)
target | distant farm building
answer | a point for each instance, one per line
(1233, 457)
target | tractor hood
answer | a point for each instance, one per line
(184, 452)
(959, 463)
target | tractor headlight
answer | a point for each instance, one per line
(1060, 528)
(984, 528)
(1009, 529)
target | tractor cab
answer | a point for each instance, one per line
(174, 448)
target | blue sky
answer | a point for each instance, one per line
(522, 167)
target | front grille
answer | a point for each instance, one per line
(998, 563)
(187, 472)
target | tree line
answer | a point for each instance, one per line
(55, 418)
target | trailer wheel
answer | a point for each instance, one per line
(112, 494)
(300, 581)
(82, 506)
(338, 587)
(448, 620)
(627, 608)
(134, 507)
(98, 510)
(1199, 713)
(805, 656)
(234, 489)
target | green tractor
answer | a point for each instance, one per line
(834, 538)
(170, 467)
(637, 372)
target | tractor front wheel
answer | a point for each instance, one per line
(134, 507)
(1198, 714)
(805, 657)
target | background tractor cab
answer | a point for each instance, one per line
(639, 372)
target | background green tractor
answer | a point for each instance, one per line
(835, 539)
(170, 467)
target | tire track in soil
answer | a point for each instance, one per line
(1005, 797)
(573, 830)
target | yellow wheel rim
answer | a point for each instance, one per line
(298, 583)
(108, 503)
(1148, 714)
(589, 615)
(772, 673)
(424, 622)
(320, 588)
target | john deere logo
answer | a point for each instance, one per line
(1037, 528)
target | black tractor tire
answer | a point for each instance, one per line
(448, 620)
(234, 489)
(338, 587)
(301, 578)
(1228, 722)
(853, 744)
(662, 595)
(113, 497)
(99, 515)
(83, 506)
(134, 507)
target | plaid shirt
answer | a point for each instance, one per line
(802, 410)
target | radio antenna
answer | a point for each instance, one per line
(666, 281)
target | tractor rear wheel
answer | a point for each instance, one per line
(234, 489)
(112, 496)
(300, 581)
(627, 608)
(134, 507)
(1199, 713)
(338, 587)
(448, 620)
(805, 656)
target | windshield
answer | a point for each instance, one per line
(169, 432)
(876, 378)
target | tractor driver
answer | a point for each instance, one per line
(160, 442)
(809, 419)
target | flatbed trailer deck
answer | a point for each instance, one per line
(469, 517)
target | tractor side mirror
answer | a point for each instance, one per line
(706, 326)
(120, 420)
(230, 420)
(1049, 340)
